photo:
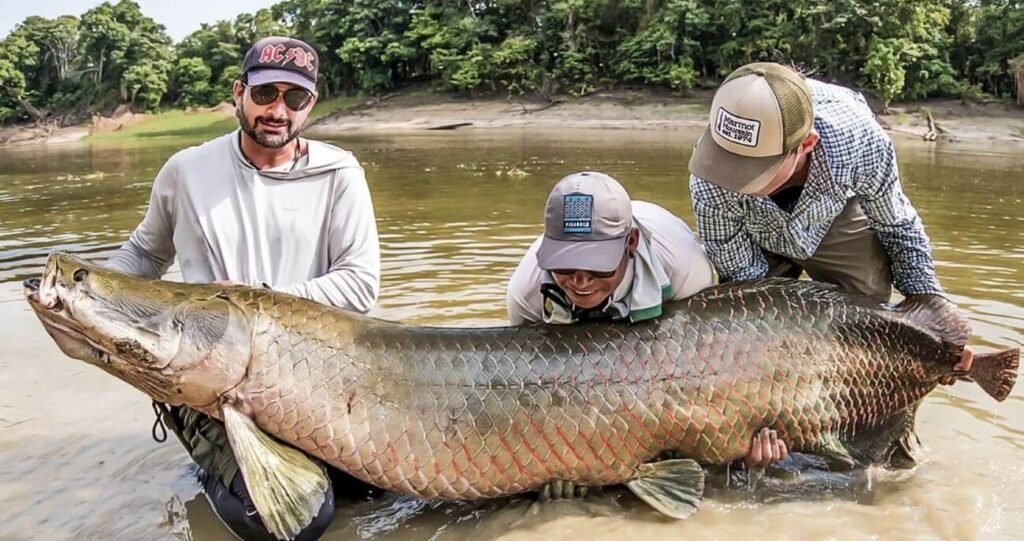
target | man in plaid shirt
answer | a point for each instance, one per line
(795, 175)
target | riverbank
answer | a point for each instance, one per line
(195, 123)
(951, 120)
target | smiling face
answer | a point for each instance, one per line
(589, 289)
(161, 338)
(271, 125)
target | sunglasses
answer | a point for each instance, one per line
(595, 274)
(295, 99)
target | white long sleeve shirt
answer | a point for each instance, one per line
(307, 230)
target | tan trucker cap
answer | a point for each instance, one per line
(758, 116)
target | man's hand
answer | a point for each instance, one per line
(765, 448)
(966, 360)
(963, 365)
(562, 490)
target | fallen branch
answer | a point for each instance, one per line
(548, 105)
(1018, 72)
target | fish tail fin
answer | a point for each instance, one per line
(996, 372)
(287, 488)
(672, 487)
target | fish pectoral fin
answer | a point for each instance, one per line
(673, 487)
(836, 455)
(287, 487)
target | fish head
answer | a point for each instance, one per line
(180, 344)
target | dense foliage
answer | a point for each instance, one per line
(115, 55)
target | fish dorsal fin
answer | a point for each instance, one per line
(672, 487)
(287, 488)
(936, 316)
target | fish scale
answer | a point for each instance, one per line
(441, 412)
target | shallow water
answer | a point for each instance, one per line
(455, 212)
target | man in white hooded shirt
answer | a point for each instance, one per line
(262, 207)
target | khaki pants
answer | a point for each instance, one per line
(850, 256)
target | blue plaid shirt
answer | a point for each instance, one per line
(854, 158)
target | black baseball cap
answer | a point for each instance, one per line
(278, 59)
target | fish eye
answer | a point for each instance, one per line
(80, 275)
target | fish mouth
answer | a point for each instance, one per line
(32, 289)
(58, 323)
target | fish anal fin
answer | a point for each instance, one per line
(906, 452)
(286, 487)
(836, 455)
(672, 487)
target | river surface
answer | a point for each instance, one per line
(455, 212)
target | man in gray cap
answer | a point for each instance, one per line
(264, 207)
(795, 175)
(605, 257)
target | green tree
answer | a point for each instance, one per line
(661, 51)
(884, 70)
(998, 38)
(216, 46)
(128, 54)
(222, 89)
(19, 59)
(114, 54)
(12, 81)
(191, 82)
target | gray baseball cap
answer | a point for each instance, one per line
(586, 223)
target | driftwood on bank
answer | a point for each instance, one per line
(550, 104)
(934, 128)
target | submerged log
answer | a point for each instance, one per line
(451, 126)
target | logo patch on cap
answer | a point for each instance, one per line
(739, 130)
(280, 55)
(578, 213)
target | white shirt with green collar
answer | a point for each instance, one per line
(672, 246)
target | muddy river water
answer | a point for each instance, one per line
(455, 212)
